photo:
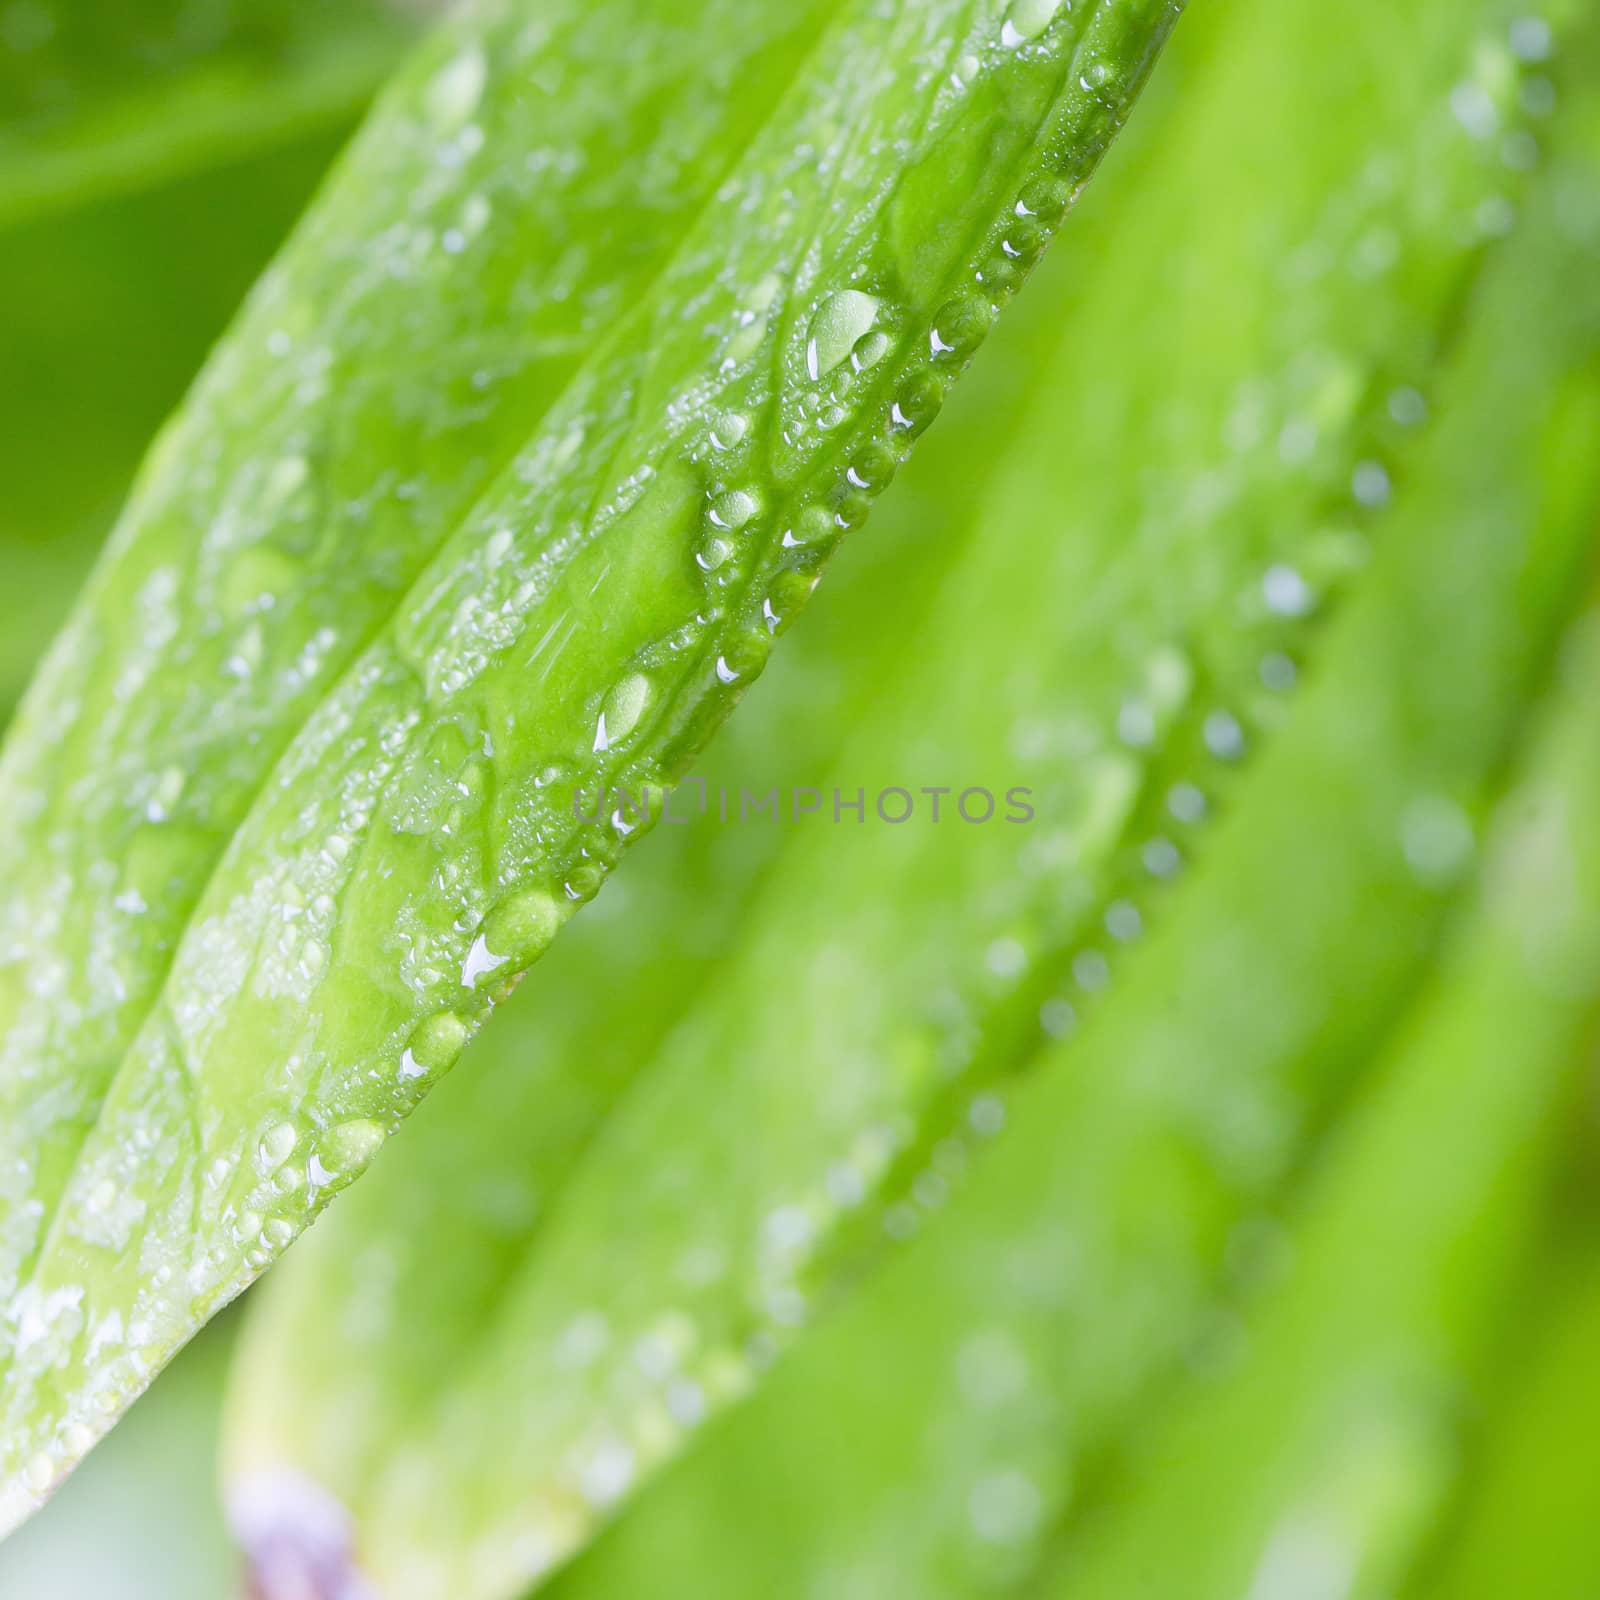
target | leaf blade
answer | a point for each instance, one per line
(220, 1194)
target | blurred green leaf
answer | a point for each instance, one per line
(1318, 1466)
(97, 99)
(1527, 1524)
(1145, 579)
(544, 424)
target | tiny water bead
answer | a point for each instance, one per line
(1286, 592)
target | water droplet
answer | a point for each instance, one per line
(1045, 198)
(277, 1145)
(733, 510)
(1026, 20)
(712, 555)
(1437, 838)
(870, 351)
(1223, 736)
(1161, 858)
(987, 1114)
(607, 1474)
(841, 319)
(1058, 1018)
(916, 406)
(1186, 802)
(729, 430)
(434, 1047)
(812, 526)
(341, 1155)
(1005, 1507)
(1090, 970)
(521, 928)
(1370, 485)
(1475, 110)
(625, 705)
(1278, 672)
(1286, 593)
(1006, 959)
(1531, 39)
(456, 88)
(960, 326)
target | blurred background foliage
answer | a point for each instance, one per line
(151, 158)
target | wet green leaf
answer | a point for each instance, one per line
(500, 487)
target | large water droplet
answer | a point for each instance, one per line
(1026, 20)
(434, 1046)
(624, 706)
(841, 319)
(277, 1145)
(341, 1155)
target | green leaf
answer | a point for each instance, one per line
(106, 98)
(1331, 1449)
(291, 803)
(1528, 1518)
(1120, 617)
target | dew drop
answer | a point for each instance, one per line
(456, 88)
(277, 1145)
(1058, 1018)
(1026, 20)
(733, 510)
(842, 319)
(960, 326)
(523, 926)
(1286, 593)
(1370, 485)
(1223, 736)
(870, 351)
(625, 705)
(434, 1046)
(729, 430)
(341, 1154)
